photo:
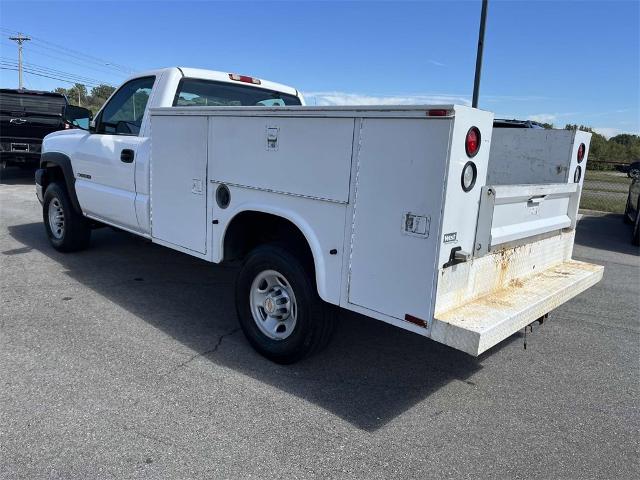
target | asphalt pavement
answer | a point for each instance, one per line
(126, 361)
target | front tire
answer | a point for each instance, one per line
(627, 208)
(68, 231)
(635, 239)
(279, 310)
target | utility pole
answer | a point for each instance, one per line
(476, 82)
(20, 39)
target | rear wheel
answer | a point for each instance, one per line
(278, 307)
(68, 231)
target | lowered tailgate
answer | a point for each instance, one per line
(521, 268)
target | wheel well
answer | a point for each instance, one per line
(250, 229)
(54, 174)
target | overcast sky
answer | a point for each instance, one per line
(553, 61)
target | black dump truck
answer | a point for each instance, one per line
(26, 117)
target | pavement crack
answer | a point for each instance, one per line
(210, 351)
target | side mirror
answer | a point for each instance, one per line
(77, 116)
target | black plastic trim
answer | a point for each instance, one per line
(57, 159)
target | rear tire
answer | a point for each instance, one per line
(68, 231)
(278, 306)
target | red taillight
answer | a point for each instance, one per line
(244, 78)
(581, 150)
(472, 142)
(437, 113)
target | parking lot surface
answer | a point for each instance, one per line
(125, 361)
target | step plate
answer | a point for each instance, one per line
(482, 323)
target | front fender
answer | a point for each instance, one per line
(61, 160)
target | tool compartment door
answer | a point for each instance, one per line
(513, 214)
(179, 181)
(399, 183)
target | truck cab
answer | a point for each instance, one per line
(109, 163)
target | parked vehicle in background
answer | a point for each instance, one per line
(26, 117)
(506, 123)
(631, 215)
(385, 211)
(633, 170)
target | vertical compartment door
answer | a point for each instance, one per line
(398, 204)
(179, 181)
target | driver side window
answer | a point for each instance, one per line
(124, 113)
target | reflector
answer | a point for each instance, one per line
(469, 174)
(577, 175)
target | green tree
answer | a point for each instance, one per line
(623, 148)
(77, 95)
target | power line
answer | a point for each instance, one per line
(46, 76)
(44, 69)
(75, 53)
(34, 49)
(62, 75)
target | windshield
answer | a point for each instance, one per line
(208, 93)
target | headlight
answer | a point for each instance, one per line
(469, 174)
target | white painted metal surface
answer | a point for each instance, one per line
(179, 183)
(461, 208)
(309, 157)
(534, 156)
(484, 301)
(399, 173)
(510, 213)
(479, 325)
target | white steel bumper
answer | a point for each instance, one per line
(482, 302)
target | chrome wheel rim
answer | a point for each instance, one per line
(56, 218)
(273, 305)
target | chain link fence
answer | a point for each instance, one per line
(605, 188)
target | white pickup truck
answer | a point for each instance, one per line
(424, 217)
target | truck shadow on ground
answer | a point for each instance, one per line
(370, 373)
(16, 176)
(606, 232)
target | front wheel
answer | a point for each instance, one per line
(68, 231)
(625, 217)
(278, 307)
(635, 239)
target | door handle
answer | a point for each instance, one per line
(126, 155)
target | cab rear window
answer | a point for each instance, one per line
(194, 92)
(32, 103)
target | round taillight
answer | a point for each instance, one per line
(581, 150)
(577, 175)
(472, 142)
(469, 175)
